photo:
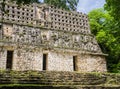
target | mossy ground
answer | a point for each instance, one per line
(58, 80)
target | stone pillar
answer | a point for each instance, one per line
(0, 31)
(3, 57)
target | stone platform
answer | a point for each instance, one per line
(58, 80)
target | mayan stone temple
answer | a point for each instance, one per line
(41, 37)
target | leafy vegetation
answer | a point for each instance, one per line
(26, 1)
(64, 4)
(113, 6)
(103, 26)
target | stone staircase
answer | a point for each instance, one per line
(52, 78)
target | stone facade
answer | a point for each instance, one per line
(41, 37)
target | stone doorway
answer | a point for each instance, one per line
(75, 68)
(45, 58)
(9, 60)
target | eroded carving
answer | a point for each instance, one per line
(66, 29)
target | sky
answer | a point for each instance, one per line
(86, 6)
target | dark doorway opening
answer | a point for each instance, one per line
(9, 59)
(45, 61)
(75, 63)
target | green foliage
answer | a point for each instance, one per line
(64, 4)
(103, 26)
(113, 6)
(96, 20)
(26, 1)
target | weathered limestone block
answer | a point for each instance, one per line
(8, 30)
(27, 60)
(60, 61)
(3, 57)
(91, 63)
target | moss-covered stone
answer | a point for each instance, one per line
(59, 80)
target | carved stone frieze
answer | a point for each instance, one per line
(66, 29)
